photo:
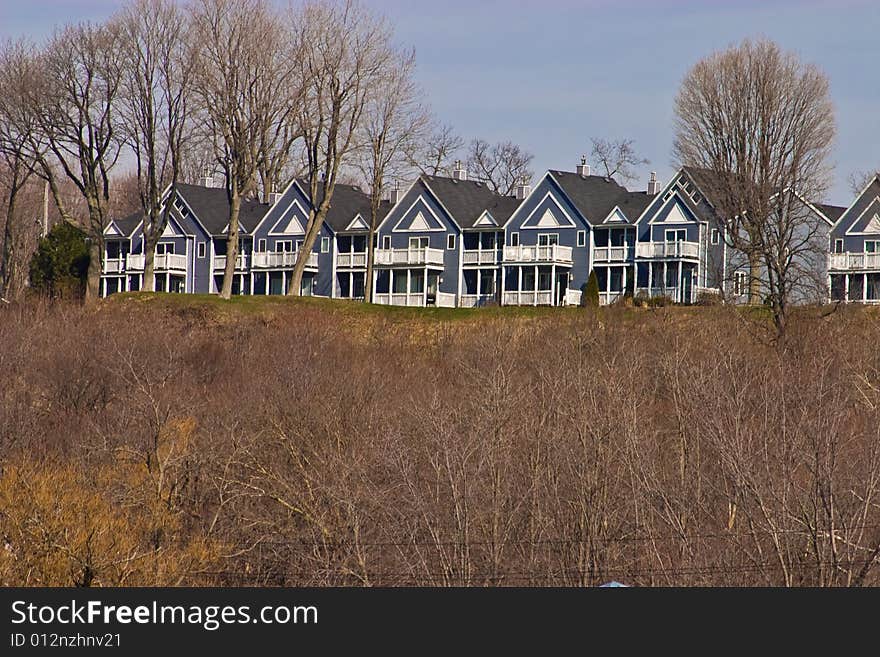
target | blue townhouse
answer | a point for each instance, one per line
(854, 258)
(569, 224)
(190, 254)
(440, 245)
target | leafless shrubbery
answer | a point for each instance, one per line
(285, 450)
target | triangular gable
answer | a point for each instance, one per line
(616, 217)
(289, 223)
(112, 230)
(546, 217)
(358, 223)
(424, 219)
(677, 213)
(172, 228)
(867, 223)
(486, 219)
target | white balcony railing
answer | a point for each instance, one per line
(481, 257)
(673, 293)
(854, 261)
(114, 265)
(161, 262)
(476, 300)
(528, 298)
(280, 259)
(668, 250)
(612, 253)
(414, 256)
(538, 254)
(607, 298)
(351, 260)
(441, 299)
(573, 297)
(241, 262)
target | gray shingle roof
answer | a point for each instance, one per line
(211, 206)
(594, 196)
(128, 223)
(348, 201)
(833, 212)
(467, 200)
(632, 204)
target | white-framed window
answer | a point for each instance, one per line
(872, 246)
(838, 245)
(514, 239)
(283, 246)
(164, 247)
(740, 282)
(261, 246)
(548, 239)
(325, 245)
(582, 238)
(676, 235)
(696, 198)
(418, 242)
(450, 242)
(386, 241)
(716, 236)
(200, 250)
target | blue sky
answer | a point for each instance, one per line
(551, 74)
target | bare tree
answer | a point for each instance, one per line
(617, 158)
(240, 49)
(75, 99)
(501, 166)
(762, 123)
(393, 123)
(17, 136)
(435, 155)
(157, 73)
(346, 52)
(858, 180)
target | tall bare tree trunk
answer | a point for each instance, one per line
(231, 245)
(93, 278)
(754, 278)
(295, 288)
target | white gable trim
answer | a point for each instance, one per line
(486, 219)
(358, 223)
(541, 225)
(873, 204)
(398, 229)
(616, 216)
(265, 216)
(301, 230)
(676, 200)
(113, 230)
(522, 203)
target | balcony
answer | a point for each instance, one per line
(404, 257)
(612, 253)
(281, 260)
(114, 265)
(528, 298)
(854, 262)
(161, 262)
(240, 262)
(553, 254)
(477, 300)
(481, 257)
(680, 250)
(675, 293)
(442, 299)
(355, 260)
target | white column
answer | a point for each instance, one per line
(503, 282)
(408, 278)
(519, 285)
(865, 287)
(425, 288)
(650, 276)
(537, 288)
(678, 284)
(846, 287)
(553, 284)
